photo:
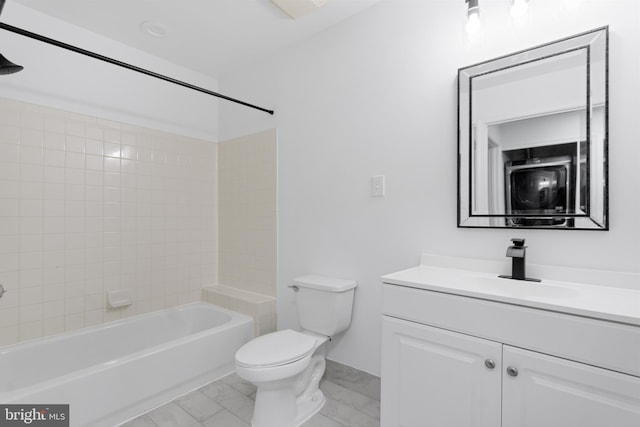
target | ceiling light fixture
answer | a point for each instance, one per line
(474, 25)
(153, 28)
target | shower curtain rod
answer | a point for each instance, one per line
(94, 55)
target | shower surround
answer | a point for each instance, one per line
(88, 206)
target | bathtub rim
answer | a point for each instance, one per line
(235, 319)
(87, 329)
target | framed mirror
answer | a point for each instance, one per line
(533, 137)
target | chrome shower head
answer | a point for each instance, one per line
(6, 66)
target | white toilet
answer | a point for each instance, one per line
(286, 366)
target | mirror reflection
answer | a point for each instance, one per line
(532, 137)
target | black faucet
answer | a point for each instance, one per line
(517, 253)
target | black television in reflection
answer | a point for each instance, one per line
(539, 189)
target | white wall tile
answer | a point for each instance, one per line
(10, 317)
(94, 162)
(10, 243)
(54, 291)
(31, 296)
(74, 160)
(112, 164)
(52, 326)
(53, 308)
(94, 147)
(9, 208)
(30, 330)
(31, 208)
(247, 213)
(75, 128)
(30, 261)
(9, 134)
(74, 321)
(86, 207)
(54, 123)
(53, 157)
(30, 313)
(55, 257)
(50, 174)
(31, 137)
(53, 224)
(32, 190)
(112, 149)
(31, 155)
(31, 225)
(54, 141)
(9, 171)
(30, 173)
(112, 179)
(52, 191)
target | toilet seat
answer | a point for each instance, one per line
(275, 349)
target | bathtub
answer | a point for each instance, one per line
(110, 373)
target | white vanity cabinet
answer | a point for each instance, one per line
(550, 391)
(452, 360)
(434, 377)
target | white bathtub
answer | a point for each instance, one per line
(112, 372)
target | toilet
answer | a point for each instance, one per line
(286, 366)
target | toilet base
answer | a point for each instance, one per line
(305, 409)
(310, 407)
(292, 401)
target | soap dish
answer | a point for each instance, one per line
(119, 298)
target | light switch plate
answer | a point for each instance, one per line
(377, 186)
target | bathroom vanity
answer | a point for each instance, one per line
(462, 347)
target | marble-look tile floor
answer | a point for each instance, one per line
(353, 400)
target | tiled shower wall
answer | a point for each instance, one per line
(247, 245)
(88, 206)
(248, 212)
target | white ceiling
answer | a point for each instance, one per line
(214, 37)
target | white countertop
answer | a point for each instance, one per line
(615, 304)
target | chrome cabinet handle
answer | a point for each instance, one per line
(490, 364)
(294, 287)
(512, 371)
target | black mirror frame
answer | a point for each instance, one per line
(511, 60)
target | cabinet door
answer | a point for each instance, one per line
(552, 392)
(436, 378)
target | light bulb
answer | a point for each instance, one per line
(519, 8)
(474, 25)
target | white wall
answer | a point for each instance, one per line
(58, 78)
(377, 95)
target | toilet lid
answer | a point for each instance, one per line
(275, 349)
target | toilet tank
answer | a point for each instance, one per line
(324, 304)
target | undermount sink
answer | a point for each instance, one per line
(519, 288)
